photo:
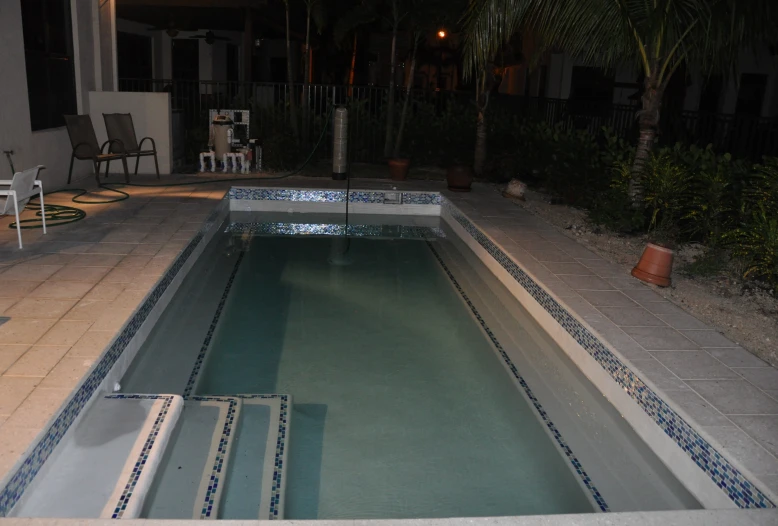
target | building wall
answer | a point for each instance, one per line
(48, 147)
(560, 69)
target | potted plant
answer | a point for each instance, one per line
(398, 168)
(656, 263)
(460, 177)
(664, 185)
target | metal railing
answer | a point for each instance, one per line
(742, 136)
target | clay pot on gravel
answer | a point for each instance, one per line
(398, 169)
(655, 265)
(459, 177)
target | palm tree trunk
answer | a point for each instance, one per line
(392, 70)
(290, 80)
(353, 65)
(648, 121)
(406, 103)
(307, 76)
(482, 101)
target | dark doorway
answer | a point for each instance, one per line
(232, 62)
(711, 95)
(751, 94)
(186, 59)
(278, 69)
(134, 56)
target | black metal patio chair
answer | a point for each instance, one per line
(120, 127)
(86, 148)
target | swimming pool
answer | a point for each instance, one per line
(375, 370)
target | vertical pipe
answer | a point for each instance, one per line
(340, 144)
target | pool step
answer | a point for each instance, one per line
(218, 467)
(105, 464)
(189, 482)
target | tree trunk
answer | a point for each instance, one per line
(290, 80)
(353, 65)
(392, 71)
(648, 121)
(307, 76)
(406, 103)
(482, 101)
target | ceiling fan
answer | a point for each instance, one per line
(209, 37)
(170, 29)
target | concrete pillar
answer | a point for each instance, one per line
(108, 65)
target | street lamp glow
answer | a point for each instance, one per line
(441, 34)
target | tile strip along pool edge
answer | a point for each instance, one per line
(126, 500)
(743, 493)
(24, 473)
(718, 469)
(193, 377)
(279, 464)
(210, 504)
(583, 477)
(737, 487)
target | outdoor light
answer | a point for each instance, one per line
(441, 34)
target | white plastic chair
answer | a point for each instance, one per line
(22, 188)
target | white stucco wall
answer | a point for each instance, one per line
(48, 147)
(151, 117)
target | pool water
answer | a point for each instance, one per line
(402, 408)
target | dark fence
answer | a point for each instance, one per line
(740, 135)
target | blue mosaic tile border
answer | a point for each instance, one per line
(190, 384)
(739, 489)
(280, 456)
(140, 463)
(582, 475)
(330, 229)
(215, 478)
(32, 464)
(332, 196)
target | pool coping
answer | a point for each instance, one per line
(708, 458)
(109, 367)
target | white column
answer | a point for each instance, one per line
(109, 70)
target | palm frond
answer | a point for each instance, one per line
(654, 34)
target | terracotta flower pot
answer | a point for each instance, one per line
(459, 177)
(655, 265)
(398, 169)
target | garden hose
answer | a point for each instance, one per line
(62, 214)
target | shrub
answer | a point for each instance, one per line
(755, 243)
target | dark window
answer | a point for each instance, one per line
(591, 84)
(48, 56)
(751, 94)
(134, 56)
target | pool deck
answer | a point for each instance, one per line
(69, 292)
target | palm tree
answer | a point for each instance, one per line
(290, 79)
(349, 23)
(394, 22)
(313, 10)
(657, 36)
(416, 37)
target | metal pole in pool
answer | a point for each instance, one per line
(340, 144)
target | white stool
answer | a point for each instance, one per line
(226, 158)
(244, 166)
(207, 155)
